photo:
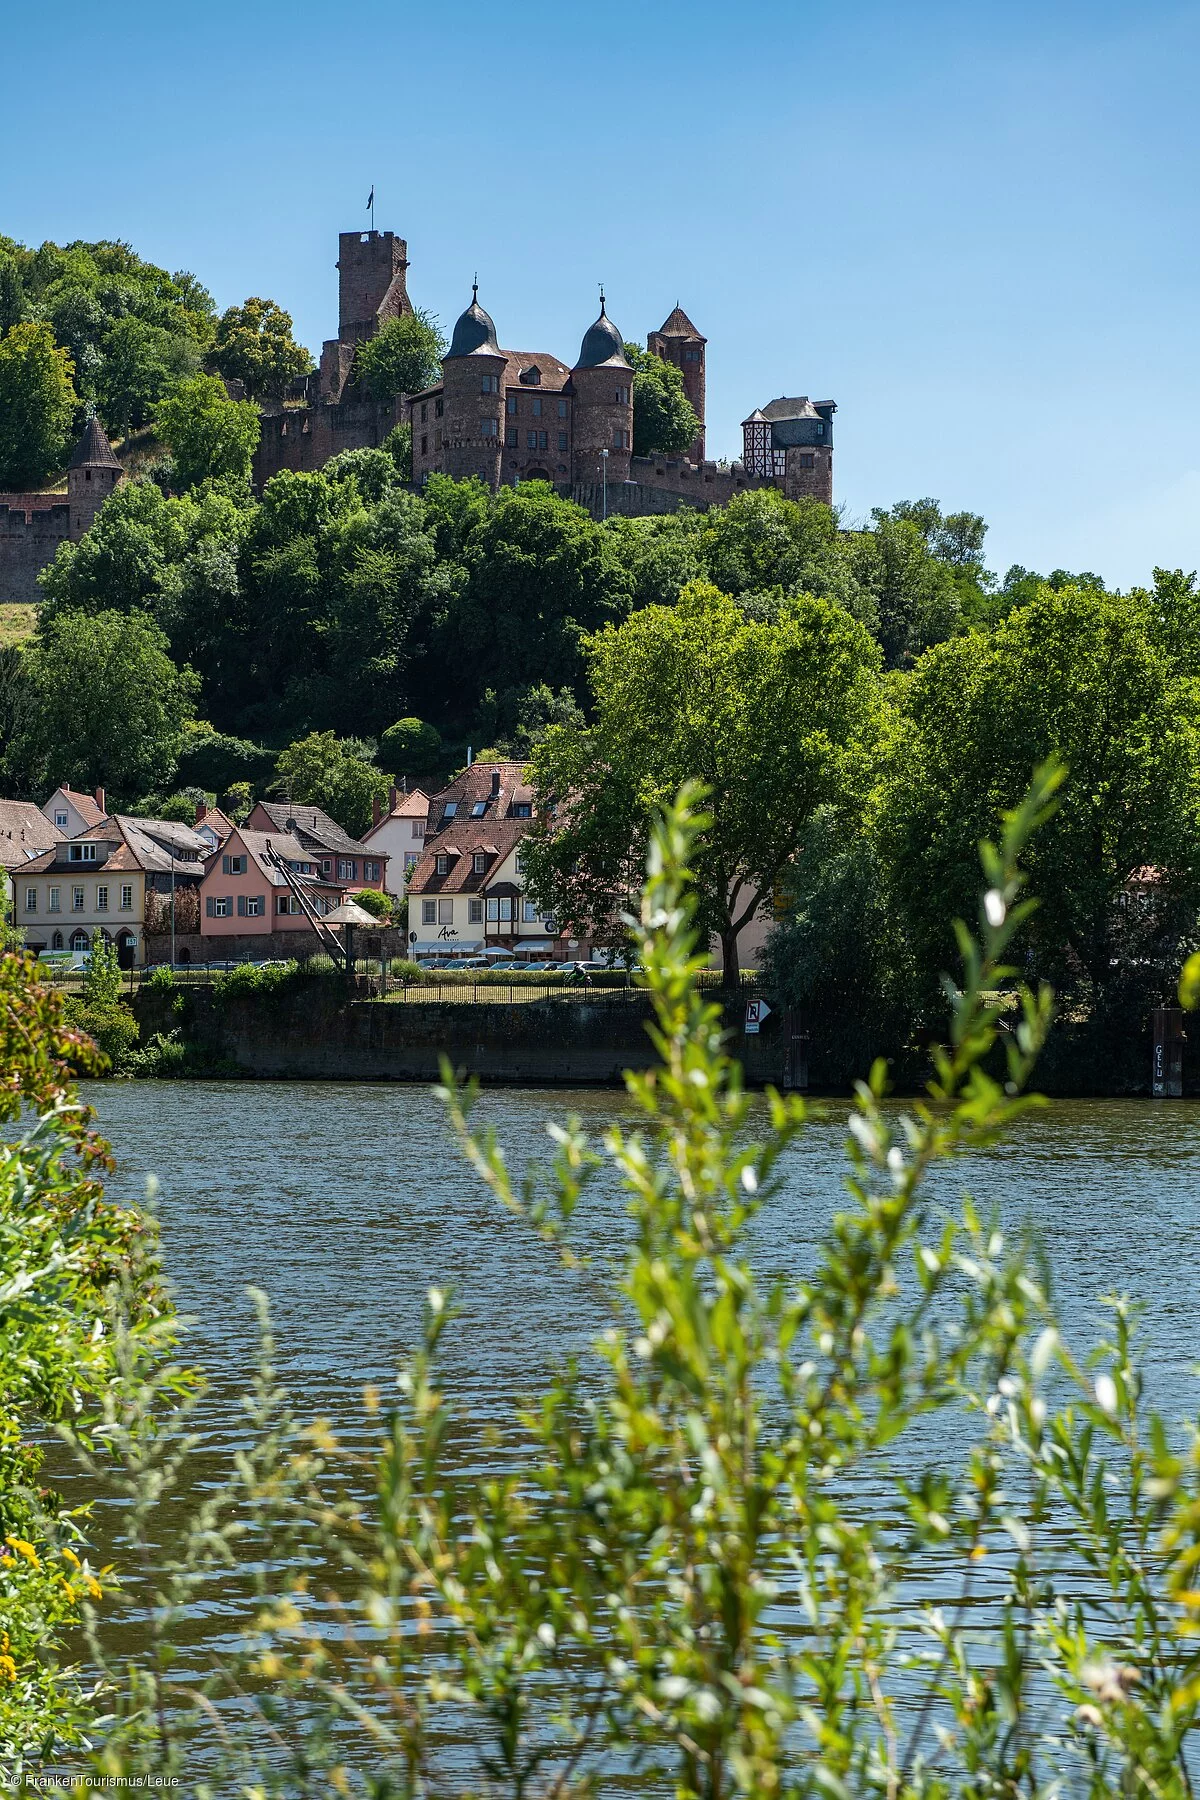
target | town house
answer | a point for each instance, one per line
(467, 893)
(338, 857)
(246, 891)
(105, 881)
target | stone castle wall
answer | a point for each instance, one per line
(32, 526)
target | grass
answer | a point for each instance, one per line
(18, 620)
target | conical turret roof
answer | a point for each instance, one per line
(680, 326)
(603, 345)
(474, 332)
(93, 449)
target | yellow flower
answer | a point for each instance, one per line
(70, 1556)
(8, 1668)
(94, 1588)
(24, 1549)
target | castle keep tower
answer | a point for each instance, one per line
(371, 290)
(602, 385)
(92, 474)
(677, 341)
(473, 397)
(371, 282)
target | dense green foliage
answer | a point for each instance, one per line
(664, 420)
(775, 718)
(130, 329)
(37, 405)
(82, 1316)
(103, 704)
(338, 775)
(209, 435)
(404, 357)
(253, 344)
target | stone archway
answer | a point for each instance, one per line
(126, 949)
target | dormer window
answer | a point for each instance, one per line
(82, 852)
(443, 865)
(531, 377)
(480, 863)
(522, 811)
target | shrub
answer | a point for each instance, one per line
(111, 1027)
(161, 979)
(377, 904)
(246, 980)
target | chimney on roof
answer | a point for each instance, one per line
(377, 809)
(100, 799)
(393, 797)
(495, 784)
(201, 810)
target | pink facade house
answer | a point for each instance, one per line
(245, 893)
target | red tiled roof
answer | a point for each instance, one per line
(493, 838)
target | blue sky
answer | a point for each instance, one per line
(973, 226)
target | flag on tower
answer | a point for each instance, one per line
(371, 197)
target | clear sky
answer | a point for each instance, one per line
(974, 226)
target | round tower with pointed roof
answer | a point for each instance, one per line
(473, 390)
(92, 474)
(602, 408)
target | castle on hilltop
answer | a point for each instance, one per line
(513, 415)
(503, 415)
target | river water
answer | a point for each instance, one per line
(346, 1201)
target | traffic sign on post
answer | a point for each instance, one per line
(756, 1012)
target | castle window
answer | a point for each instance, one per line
(619, 436)
(531, 440)
(87, 474)
(514, 437)
(424, 411)
(512, 405)
(562, 409)
(437, 440)
(806, 462)
(691, 356)
(537, 406)
(562, 440)
(622, 396)
(424, 445)
(531, 377)
(820, 430)
(437, 409)
(489, 428)
(490, 384)
(541, 440)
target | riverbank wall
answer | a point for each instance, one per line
(311, 1032)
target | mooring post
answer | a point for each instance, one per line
(1166, 1067)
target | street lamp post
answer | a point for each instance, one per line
(604, 484)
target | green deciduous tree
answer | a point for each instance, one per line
(403, 357)
(914, 594)
(142, 363)
(539, 574)
(209, 435)
(103, 705)
(334, 774)
(1077, 673)
(664, 420)
(762, 543)
(771, 716)
(37, 405)
(414, 748)
(253, 344)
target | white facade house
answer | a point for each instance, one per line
(399, 833)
